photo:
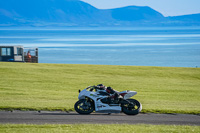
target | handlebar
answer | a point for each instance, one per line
(93, 87)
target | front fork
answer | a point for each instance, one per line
(89, 101)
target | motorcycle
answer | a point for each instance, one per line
(93, 99)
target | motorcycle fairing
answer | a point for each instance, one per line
(127, 94)
(99, 106)
(103, 107)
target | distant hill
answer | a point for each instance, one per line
(78, 13)
(193, 19)
(135, 13)
(48, 11)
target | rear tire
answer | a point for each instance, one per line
(84, 106)
(132, 109)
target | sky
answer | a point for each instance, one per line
(165, 7)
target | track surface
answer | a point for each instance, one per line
(45, 117)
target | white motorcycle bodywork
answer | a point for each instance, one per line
(103, 107)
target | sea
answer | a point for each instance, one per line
(135, 46)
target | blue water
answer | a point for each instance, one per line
(168, 46)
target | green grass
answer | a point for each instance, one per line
(97, 128)
(26, 86)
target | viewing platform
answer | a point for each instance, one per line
(18, 53)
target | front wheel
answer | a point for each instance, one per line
(83, 106)
(131, 107)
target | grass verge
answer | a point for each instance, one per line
(98, 128)
(26, 86)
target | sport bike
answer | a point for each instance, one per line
(93, 99)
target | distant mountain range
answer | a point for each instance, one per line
(78, 13)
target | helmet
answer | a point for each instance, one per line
(101, 86)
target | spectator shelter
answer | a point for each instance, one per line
(18, 54)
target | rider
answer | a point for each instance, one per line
(114, 94)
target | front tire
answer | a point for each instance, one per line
(133, 107)
(84, 106)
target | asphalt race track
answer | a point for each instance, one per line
(46, 117)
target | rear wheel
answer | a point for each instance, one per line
(84, 106)
(132, 107)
